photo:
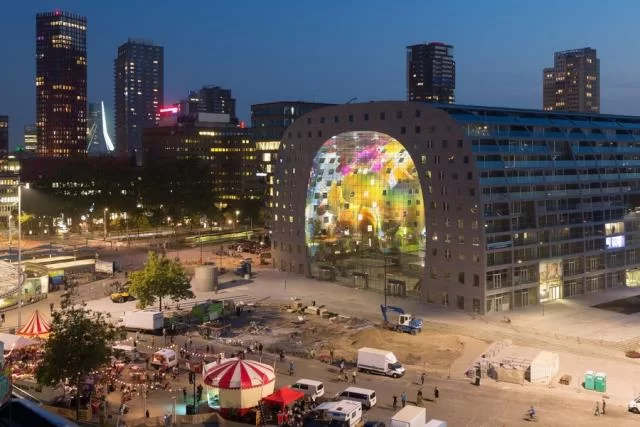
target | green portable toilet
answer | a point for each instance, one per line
(589, 379)
(600, 382)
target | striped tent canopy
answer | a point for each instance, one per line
(37, 327)
(239, 374)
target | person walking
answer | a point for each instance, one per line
(330, 351)
(2, 317)
(353, 376)
(436, 393)
(146, 413)
(597, 411)
(422, 378)
(184, 393)
(419, 398)
(604, 404)
(51, 307)
(395, 402)
(403, 399)
(260, 347)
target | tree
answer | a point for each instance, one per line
(160, 278)
(78, 345)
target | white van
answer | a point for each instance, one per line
(311, 388)
(130, 352)
(344, 411)
(164, 358)
(365, 396)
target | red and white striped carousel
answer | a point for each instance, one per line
(238, 384)
(36, 327)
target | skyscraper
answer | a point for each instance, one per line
(30, 144)
(139, 92)
(431, 73)
(61, 84)
(210, 99)
(4, 134)
(573, 83)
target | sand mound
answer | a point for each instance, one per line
(429, 350)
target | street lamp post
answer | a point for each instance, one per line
(104, 222)
(19, 255)
(237, 220)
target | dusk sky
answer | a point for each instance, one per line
(333, 50)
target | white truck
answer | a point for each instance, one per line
(375, 361)
(409, 416)
(151, 321)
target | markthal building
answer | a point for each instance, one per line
(479, 209)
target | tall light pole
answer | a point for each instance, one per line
(104, 222)
(20, 254)
(237, 220)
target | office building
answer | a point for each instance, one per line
(210, 99)
(573, 83)
(268, 123)
(139, 92)
(30, 142)
(213, 140)
(61, 84)
(9, 179)
(4, 135)
(431, 73)
(475, 208)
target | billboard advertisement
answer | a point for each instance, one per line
(104, 267)
(550, 278)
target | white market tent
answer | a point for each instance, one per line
(15, 342)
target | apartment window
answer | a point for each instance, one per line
(403, 130)
(309, 121)
(466, 159)
(476, 305)
(461, 239)
(417, 129)
(336, 119)
(476, 258)
(461, 277)
(383, 116)
(309, 134)
(319, 133)
(476, 280)
(472, 192)
(398, 114)
(460, 224)
(469, 176)
(460, 303)
(418, 113)
(423, 159)
(321, 119)
(459, 143)
(351, 118)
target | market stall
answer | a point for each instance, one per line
(237, 385)
(36, 327)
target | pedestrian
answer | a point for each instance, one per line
(436, 393)
(190, 342)
(184, 393)
(341, 366)
(597, 411)
(147, 413)
(330, 351)
(419, 398)
(403, 399)
(604, 404)
(51, 307)
(260, 347)
(153, 341)
(2, 317)
(353, 376)
(395, 402)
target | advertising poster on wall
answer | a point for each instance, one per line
(550, 278)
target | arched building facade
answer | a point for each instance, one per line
(476, 208)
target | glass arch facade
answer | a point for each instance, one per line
(364, 214)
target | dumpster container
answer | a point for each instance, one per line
(589, 378)
(600, 382)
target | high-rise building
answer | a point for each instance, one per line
(139, 87)
(4, 134)
(210, 139)
(573, 83)
(61, 84)
(268, 123)
(210, 99)
(431, 73)
(30, 144)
